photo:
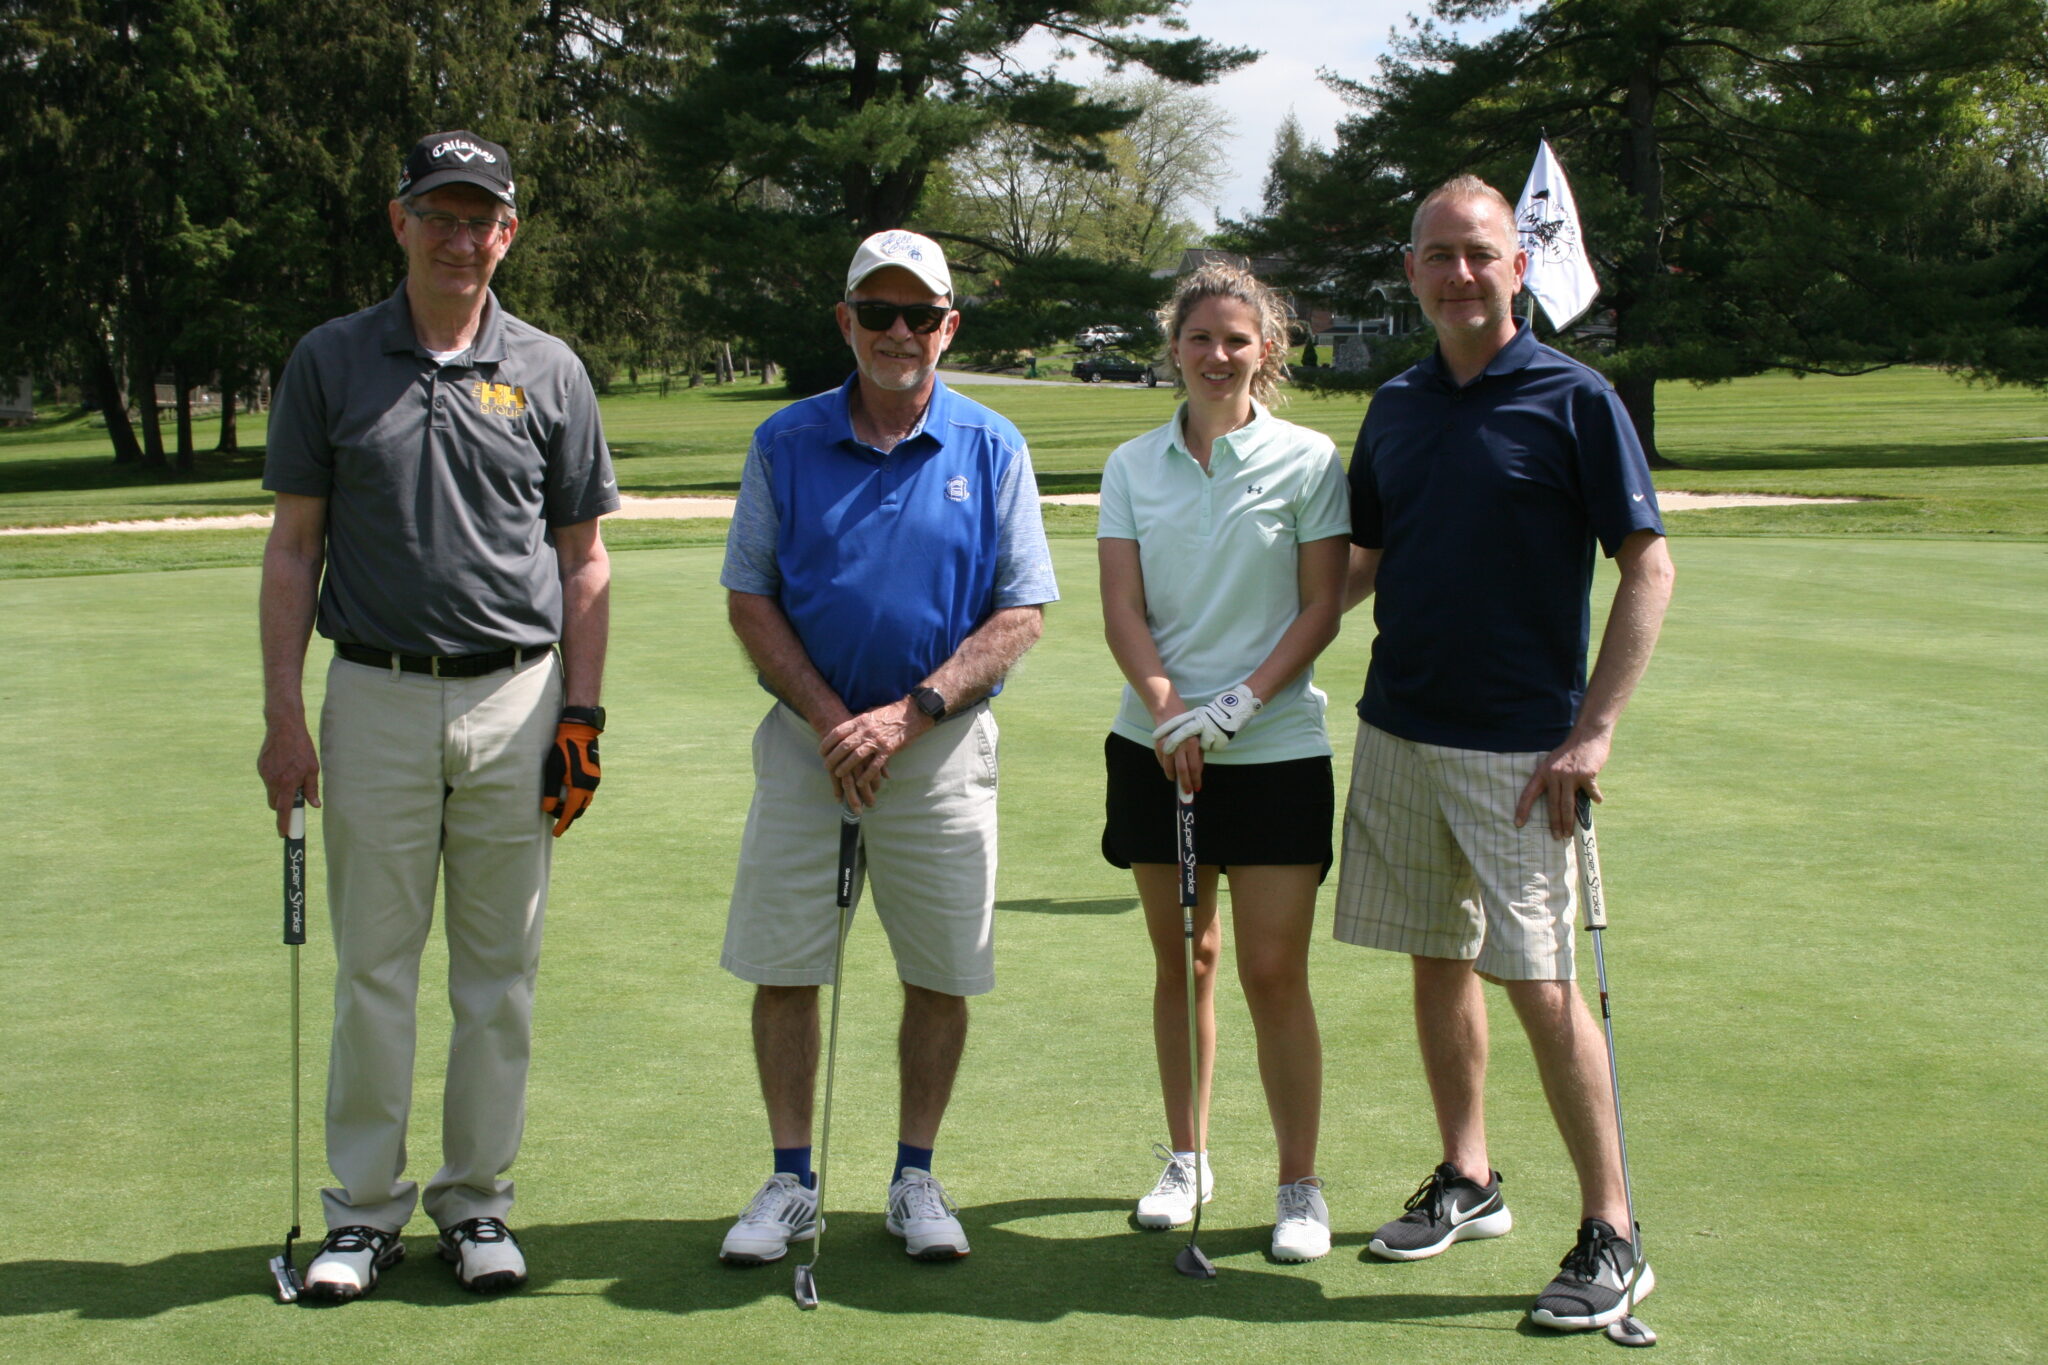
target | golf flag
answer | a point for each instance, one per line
(1559, 275)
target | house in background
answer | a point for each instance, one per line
(1390, 307)
(17, 398)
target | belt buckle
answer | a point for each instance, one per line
(434, 665)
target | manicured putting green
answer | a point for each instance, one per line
(1821, 847)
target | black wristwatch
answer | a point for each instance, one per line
(928, 700)
(593, 716)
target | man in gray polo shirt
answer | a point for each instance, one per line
(444, 462)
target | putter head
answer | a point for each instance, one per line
(1630, 1330)
(806, 1288)
(1193, 1264)
(286, 1276)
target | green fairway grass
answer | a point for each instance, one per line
(1925, 455)
(1827, 1004)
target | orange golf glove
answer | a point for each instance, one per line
(569, 778)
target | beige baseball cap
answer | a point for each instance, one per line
(919, 255)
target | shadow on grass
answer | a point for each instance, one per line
(656, 1266)
(1887, 455)
(1063, 905)
(76, 473)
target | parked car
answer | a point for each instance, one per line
(1118, 366)
(1102, 334)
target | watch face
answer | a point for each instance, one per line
(929, 701)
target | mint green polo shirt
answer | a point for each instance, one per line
(1220, 552)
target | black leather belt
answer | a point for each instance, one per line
(442, 665)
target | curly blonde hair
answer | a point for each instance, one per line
(1219, 281)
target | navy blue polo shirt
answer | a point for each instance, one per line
(884, 562)
(1486, 502)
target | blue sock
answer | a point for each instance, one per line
(796, 1161)
(907, 1155)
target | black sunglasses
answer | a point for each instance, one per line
(921, 318)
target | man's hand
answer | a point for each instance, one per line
(288, 766)
(857, 750)
(1565, 771)
(1214, 724)
(568, 781)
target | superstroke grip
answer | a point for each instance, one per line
(295, 874)
(849, 851)
(1184, 832)
(1589, 866)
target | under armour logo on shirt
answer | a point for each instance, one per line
(1252, 490)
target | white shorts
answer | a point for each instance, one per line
(928, 843)
(1434, 866)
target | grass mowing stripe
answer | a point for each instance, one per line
(1825, 812)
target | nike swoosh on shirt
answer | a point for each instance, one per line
(1639, 497)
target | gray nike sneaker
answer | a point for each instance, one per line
(1447, 1208)
(1598, 1281)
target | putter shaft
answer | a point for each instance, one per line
(1627, 1330)
(1190, 1261)
(805, 1288)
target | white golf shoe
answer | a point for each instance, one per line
(485, 1254)
(782, 1211)
(1301, 1222)
(924, 1218)
(1171, 1203)
(348, 1262)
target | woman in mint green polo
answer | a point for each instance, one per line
(1223, 542)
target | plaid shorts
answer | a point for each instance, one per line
(1434, 866)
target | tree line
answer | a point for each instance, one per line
(187, 186)
(1826, 186)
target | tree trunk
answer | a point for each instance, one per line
(1639, 395)
(1635, 312)
(113, 400)
(229, 441)
(183, 381)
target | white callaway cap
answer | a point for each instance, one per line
(906, 251)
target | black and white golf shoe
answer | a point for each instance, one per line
(485, 1254)
(348, 1263)
(1446, 1208)
(1598, 1281)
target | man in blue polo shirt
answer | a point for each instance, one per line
(886, 567)
(1483, 479)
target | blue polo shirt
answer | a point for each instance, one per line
(1486, 502)
(885, 562)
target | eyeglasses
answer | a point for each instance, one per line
(922, 318)
(442, 226)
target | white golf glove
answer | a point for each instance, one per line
(1216, 723)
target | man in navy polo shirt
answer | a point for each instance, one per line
(886, 567)
(1483, 479)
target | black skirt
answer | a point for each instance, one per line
(1255, 814)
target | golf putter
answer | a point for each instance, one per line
(282, 1271)
(1628, 1329)
(805, 1289)
(1190, 1261)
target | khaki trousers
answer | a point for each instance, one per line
(423, 776)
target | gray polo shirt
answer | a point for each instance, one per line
(442, 481)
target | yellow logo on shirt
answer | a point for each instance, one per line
(500, 400)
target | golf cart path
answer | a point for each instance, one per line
(676, 509)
